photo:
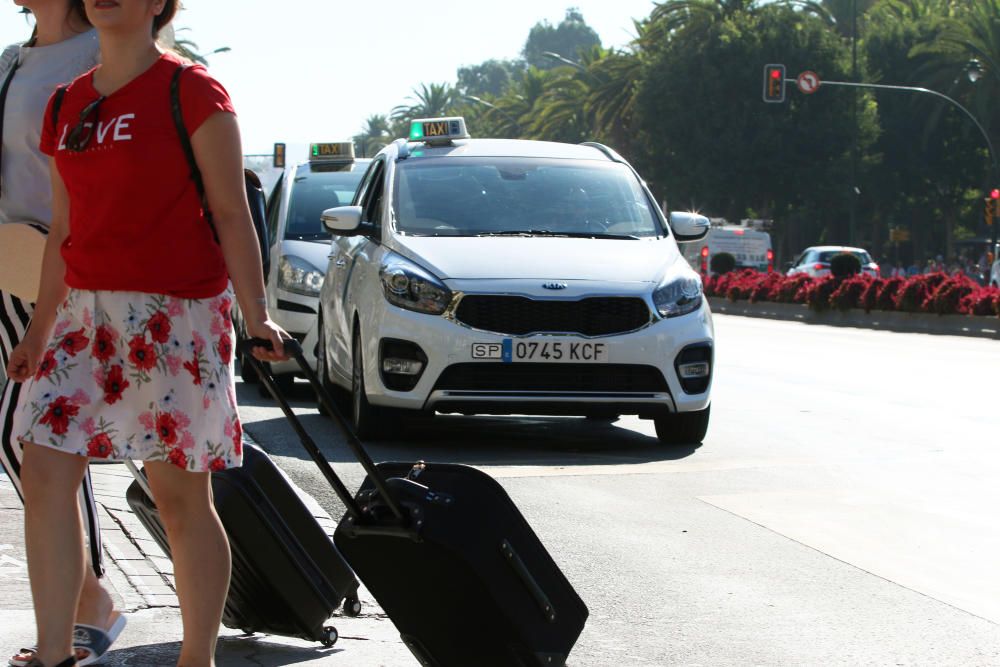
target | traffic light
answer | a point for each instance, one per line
(774, 83)
(992, 206)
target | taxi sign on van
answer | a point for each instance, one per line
(341, 151)
(438, 130)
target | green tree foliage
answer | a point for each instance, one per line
(376, 133)
(683, 103)
(490, 78)
(714, 145)
(567, 39)
(427, 101)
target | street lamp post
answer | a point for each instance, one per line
(974, 70)
(994, 166)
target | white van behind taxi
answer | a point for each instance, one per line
(749, 246)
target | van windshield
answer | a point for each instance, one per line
(459, 196)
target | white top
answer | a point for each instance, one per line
(27, 191)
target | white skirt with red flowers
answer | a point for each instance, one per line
(130, 375)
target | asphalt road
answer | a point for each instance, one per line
(841, 511)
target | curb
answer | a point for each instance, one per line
(928, 323)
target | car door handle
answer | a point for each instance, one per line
(340, 263)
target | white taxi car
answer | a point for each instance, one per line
(300, 243)
(482, 276)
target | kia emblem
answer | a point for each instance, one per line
(555, 285)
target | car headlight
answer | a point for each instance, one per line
(408, 286)
(678, 296)
(297, 275)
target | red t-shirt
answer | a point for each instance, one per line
(135, 219)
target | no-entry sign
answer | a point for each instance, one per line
(808, 82)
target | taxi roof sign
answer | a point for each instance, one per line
(339, 151)
(438, 130)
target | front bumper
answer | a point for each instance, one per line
(639, 377)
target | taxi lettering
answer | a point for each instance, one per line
(436, 129)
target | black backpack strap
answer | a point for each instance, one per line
(3, 101)
(199, 184)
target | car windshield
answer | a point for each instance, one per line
(457, 196)
(313, 192)
(862, 256)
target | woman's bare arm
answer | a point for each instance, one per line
(52, 289)
(218, 152)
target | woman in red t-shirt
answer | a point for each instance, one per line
(129, 354)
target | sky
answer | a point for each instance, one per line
(313, 70)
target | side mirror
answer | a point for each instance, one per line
(343, 220)
(688, 226)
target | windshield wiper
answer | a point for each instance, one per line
(549, 232)
(317, 236)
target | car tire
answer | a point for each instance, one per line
(365, 417)
(683, 428)
(335, 392)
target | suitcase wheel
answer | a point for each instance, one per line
(330, 636)
(352, 606)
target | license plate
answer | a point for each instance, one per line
(541, 352)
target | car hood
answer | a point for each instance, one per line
(316, 253)
(543, 258)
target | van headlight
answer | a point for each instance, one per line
(678, 296)
(297, 275)
(411, 287)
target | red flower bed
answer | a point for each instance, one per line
(848, 293)
(930, 293)
(984, 301)
(947, 298)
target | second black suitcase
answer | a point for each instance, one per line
(287, 576)
(448, 556)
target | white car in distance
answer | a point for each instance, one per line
(481, 276)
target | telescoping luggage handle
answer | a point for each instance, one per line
(293, 347)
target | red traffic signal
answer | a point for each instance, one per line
(774, 83)
(995, 193)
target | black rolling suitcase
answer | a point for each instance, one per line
(287, 576)
(448, 556)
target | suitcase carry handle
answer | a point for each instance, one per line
(294, 348)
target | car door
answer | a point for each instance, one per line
(344, 256)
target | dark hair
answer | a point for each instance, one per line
(74, 6)
(170, 8)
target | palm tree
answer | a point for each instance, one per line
(375, 134)
(433, 101)
(186, 48)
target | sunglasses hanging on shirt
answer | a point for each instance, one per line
(81, 133)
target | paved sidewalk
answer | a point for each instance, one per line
(140, 578)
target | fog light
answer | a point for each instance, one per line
(693, 371)
(402, 366)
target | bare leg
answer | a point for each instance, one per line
(95, 608)
(200, 553)
(53, 536)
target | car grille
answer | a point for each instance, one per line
(518, 315)
(566, 378)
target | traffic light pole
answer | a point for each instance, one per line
(995, 176)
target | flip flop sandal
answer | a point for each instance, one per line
(96, 640)
(89, 638)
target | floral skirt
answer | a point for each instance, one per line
(130, 375)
